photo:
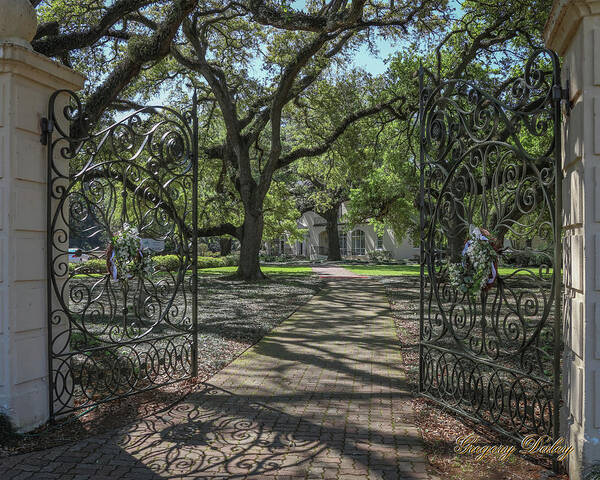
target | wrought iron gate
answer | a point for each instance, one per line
(133, 326)
(493, 162)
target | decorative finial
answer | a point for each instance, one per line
(18, 22)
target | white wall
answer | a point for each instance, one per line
(573, 31)
(27, 79)
(316, 224)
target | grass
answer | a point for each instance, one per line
(370, 270)
(415, 270)
(391, 270)
(278, 270)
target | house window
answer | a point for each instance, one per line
(278, 246)
(343, 243)
(379, 242)
(358, 242)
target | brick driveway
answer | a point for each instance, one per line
(320, 397)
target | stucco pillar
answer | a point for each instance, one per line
(27, 79)
(573, 31)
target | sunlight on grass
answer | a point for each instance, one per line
(370, 270)
(279, 270)
(505, 271)
(392, 270)
(414, 270)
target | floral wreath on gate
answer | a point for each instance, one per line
(478, 269)
(124, 256)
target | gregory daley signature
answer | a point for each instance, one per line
(530, 444)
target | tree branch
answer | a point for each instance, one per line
(349, 120)
(140, 51)
(328, 20)
(58, 44)
(219, 230)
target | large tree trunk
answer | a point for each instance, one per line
(333, 239)
(456, 230)
(249, 267)
(225, 246)
(457, 235)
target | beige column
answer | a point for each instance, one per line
(573, 31)
(27, 80)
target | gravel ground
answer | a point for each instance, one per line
(440, 428)
(233, 316)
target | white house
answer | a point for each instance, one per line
(354, 243)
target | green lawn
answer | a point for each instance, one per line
(522, 271)
(370, 270)
(414, 270)
(279, 270)
(384, 269)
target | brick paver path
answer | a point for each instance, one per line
(320, 397)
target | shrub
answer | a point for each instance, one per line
(379, 256)
(526, 258)
(170, 263)
(164, 263)
(232, 259)
(283, 258)
(95, 265)
(210, 262)
(167, 263)
(203, 249)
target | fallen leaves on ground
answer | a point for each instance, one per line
(233, 316)
(439, 427)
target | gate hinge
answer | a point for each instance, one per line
(47, 129)
(563, 95)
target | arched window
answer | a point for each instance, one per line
(358, 242)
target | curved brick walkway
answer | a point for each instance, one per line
(320, 397)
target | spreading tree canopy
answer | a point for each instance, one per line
(258, 66)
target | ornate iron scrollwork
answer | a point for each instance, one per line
(112, 337)
(492, 160)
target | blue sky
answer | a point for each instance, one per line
(363, 58)
(375, 64)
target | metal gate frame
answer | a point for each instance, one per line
(154, 151)
(450, 384)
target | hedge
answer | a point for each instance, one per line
(164, 263)
(96, 265)
(526, 258)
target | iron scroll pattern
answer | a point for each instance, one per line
(110, 338)
(491, 161)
